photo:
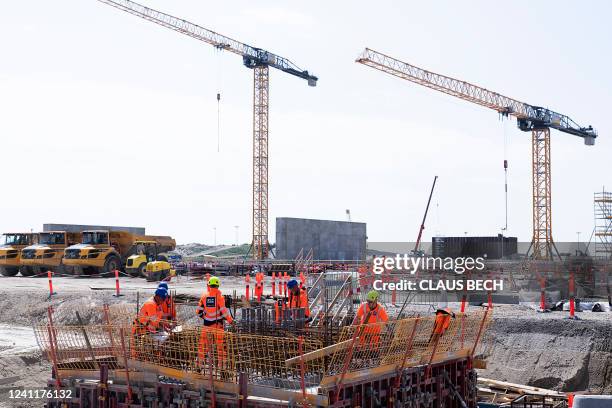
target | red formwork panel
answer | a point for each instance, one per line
(448, 384)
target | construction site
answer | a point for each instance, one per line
(311, 312)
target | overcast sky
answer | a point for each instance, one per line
(109, 119)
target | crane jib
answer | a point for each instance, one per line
(528, 117)
(252, 56)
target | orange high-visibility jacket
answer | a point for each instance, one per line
(442, 322)
(379, 314)
(259, 277)
(299, 301)
(149, 316)
(211, 308)
(247, 278)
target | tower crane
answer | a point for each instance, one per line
(530, 118)
(259, 60)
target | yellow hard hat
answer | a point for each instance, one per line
(213, 281)
(372, 296)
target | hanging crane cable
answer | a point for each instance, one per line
(219, 87)
(505, 130)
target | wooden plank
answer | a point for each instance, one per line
(322, 352)
(519, 388)
(385, 369)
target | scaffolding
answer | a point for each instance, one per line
(603, 224)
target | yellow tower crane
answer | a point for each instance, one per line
(534, 119)
(259, 60)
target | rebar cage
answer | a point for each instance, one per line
(299, 363)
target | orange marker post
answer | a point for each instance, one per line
(118, 293)
(572, 304)
(51, 292)
(542, 294)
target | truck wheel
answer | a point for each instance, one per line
(142, 270)
(27, 271)
(8, 270)
(111, 263)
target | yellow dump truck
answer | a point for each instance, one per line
(10, 251)
(103, 251)
(48, 253)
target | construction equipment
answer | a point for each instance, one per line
(260, 61)
(103, 251)
(418, 241)
(534, 119)
(10, 251)
(146, 252)
(48, 253)
(158, 270)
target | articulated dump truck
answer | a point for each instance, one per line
(103, 251)
(10, 251)
(48, 253)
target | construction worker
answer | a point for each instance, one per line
(368, 313)
(302, 280)
(298, 298)
(259, 277)
(443, 319)
(211, 309)
(168, 306)
(148, 320)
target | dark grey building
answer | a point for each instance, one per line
(80, 228)
(329, 240)
(489, 247)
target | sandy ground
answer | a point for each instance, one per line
(523, 346)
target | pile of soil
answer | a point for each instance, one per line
(549, 350)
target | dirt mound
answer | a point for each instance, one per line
(551, 351)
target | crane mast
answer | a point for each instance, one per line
(260, 61)
(530, 118)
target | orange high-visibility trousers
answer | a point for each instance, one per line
(212, 342)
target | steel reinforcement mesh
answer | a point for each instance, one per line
(193, 350)
(279, 362)
(406, 342)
